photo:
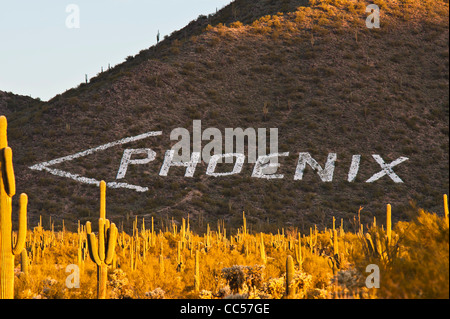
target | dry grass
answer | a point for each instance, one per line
(233, 266)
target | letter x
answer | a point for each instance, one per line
(387, 169)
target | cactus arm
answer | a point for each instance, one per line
(9, 180)
(107, 224)
(290, 291)
(101, 239)
(88, 228)
(21, 237)
(93, 249)
(3, 126)
(112, 239)
(103, 199)
(102, 252)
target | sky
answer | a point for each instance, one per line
(47, 46)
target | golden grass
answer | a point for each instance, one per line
(413, 264)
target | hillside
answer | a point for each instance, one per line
(311, 69)
(10, 103)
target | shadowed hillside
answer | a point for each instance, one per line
(11, 103)
(311, 69)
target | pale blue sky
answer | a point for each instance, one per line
(41, 57)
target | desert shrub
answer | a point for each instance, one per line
(419, 268)
(236, 276)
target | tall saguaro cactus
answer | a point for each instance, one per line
(389, 223)
(446, 208)
(262, 250)
(7, 191)
(197, 272)
(290, 290)
(102, 251)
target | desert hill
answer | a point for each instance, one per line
(312, 69)
(10, 102)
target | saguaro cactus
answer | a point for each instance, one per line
(389, 223)
(298, 252)
(197, 272)
(102, 252)
(262, 250)
(244, 226)
(446, 208)
(290, 290)
(180, 264)
(7, 191)
(161, 261)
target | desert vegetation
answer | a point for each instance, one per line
(412, 257)
(175, 262)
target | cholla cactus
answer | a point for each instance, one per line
(157, 293)
(274, 287)
(243, 278)
(303, 283)
(7, 191)
(120, 286)
(102, 252)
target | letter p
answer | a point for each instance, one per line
(126, 160)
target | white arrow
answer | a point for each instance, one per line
(45, 166)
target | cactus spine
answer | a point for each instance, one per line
(7, 191)
(102, 252)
